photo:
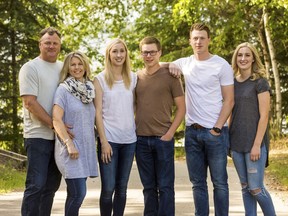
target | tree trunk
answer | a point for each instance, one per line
(271, 48)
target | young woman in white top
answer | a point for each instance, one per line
(116, 127)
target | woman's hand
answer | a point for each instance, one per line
(106, 152)
(255, 153)
(73, 152)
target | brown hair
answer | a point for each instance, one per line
(50, 31)
(150, 40)
(200, 27)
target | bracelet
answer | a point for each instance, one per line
(65, 141)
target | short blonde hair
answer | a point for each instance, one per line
(109, 76)
(82, 57)
(258, 69)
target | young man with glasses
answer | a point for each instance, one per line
(156, 92)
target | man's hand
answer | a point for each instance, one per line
(174, 70)
(68, 127)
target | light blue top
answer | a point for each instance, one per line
(81, 117)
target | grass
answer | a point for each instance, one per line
(277, 171)
(11, 179)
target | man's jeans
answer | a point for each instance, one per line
(155, 161)
(76, 192)
(251, 173)
(205, 150)
(115, 177)
(43, 177)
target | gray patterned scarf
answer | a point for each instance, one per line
(83, 91)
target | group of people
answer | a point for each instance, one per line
(133, 116)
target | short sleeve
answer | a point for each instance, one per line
(60, 97)
(226, 75)
(28, 80)
(262, 85)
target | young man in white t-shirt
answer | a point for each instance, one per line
(209, 101)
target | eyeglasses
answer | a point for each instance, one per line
(152, 53)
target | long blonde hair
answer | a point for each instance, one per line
(82, 57)
(257, 70)
(126, 69)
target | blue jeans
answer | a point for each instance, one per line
(43, 177)
(76, 192)
(155, 161)
(251, 175)
(205, 150)
(115, 177)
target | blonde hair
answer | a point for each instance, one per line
(65, 69)
(257, 70)
(126, 69)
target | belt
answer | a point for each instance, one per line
(197, 126)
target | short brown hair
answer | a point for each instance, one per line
(50, 31)
(200, 27)
(150, 40)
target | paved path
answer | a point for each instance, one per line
(10, 203)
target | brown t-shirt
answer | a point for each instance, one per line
(154, 101)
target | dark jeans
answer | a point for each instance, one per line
(76, 192)
(155, 161)
(114, 178)
(205, 150)
(43, 177)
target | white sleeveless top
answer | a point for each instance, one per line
(118, 110)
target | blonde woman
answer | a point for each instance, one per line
(248, 128)
(116, 127)
(73, 105)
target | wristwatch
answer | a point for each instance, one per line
(217, 130)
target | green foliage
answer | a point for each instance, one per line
(87, 25)
(11, 179)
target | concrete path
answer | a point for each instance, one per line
(10, 203)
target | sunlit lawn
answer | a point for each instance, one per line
(11, 179)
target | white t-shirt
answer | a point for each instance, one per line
(39, 78)
(118, 110)
(203, 81)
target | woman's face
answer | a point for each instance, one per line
(117, 54)
(245, 58)
(76, 69)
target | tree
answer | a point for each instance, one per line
(18, 45)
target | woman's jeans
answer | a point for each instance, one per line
(155, 161)
(251, 175)
(76, 192)
(205, 150)
(43, 177)
(115, 177)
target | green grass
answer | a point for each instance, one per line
(11, 179)
(278, 170)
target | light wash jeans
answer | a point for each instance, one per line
(203, 151)
(251, 173)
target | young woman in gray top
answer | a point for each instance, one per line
(248, 128)
(73, 106)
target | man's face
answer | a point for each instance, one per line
(199, 41)
(150, 54)
(49, 46)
